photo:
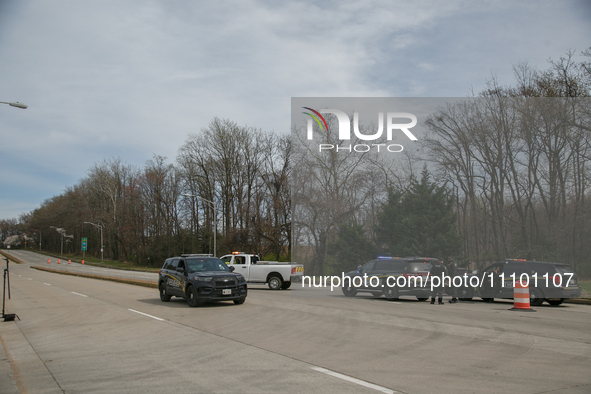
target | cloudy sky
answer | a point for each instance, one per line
(132, 78)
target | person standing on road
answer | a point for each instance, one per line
(452, 270)
(438, 269)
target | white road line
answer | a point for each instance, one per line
(145, 314)
(81, 295)
(48, 284)
(354, 380)
(29, 279)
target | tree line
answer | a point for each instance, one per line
(513, 161)
(506, 175)
(517, 160)
(163, 209)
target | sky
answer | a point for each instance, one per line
(130, 79)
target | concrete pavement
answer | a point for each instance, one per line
(99, 336)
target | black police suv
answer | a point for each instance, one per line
(547, 281)
(200, 278)
(391, 277)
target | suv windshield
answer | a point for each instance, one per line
(205, 264)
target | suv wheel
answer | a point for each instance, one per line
(275, 283)
(465, 294)
(163, 296)
(192, 297)
(349, 291)
(391, 293)
(536, 298)
(240, 301)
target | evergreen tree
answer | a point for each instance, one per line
(351, 247)
(419, 221)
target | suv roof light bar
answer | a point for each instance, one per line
(197, 255)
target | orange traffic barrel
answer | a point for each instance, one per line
(48, 261)
(521, 297)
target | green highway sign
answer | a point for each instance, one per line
(84, 243)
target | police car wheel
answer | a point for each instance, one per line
(240, 301)
(163, 296)
(192, 297)
(536, 298)
(465, 294)
(349, 291)
(391, 293)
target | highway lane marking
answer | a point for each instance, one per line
(81, 295)
(48, 284)
(29, 279)
(145, 314)
(354, 380)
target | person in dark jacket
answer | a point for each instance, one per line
(452, 270)
(438, 269)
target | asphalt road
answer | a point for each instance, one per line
(85, 335)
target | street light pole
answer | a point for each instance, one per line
(62, 232)
(215, 220)
(101, 227)
(39, 231)
(15, 104)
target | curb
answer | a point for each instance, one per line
(583, 301)
(135, 282)
(11, 258)
(90, 263)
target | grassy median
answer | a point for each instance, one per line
(90, 260)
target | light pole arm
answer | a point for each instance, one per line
(15, 104)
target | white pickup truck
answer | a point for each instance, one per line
(277, 275)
